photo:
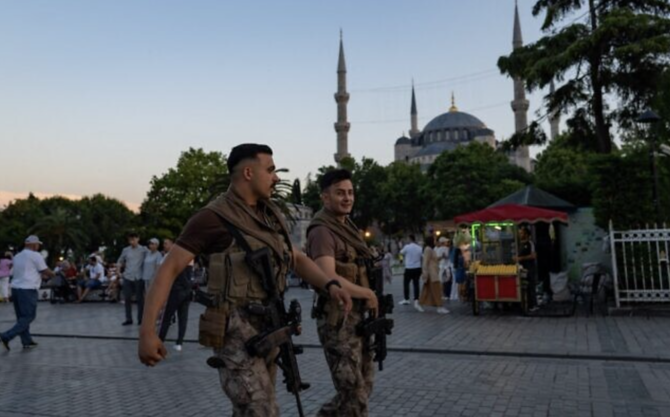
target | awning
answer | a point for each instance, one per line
(512, 213)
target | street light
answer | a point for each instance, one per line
(644, 123)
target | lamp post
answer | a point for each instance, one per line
(645, 122)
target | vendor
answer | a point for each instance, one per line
(527, 258)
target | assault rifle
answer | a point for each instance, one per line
(283, 325)
(379, 326)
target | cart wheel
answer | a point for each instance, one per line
(475, 307)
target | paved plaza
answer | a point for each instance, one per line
(453, 365)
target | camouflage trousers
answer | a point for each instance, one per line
(351, 368)
(249, 382)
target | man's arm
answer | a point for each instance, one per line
(327, 265)
(151, 349)
(310, 272)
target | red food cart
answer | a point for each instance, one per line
(496, 277)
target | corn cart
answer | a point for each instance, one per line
(496, 277)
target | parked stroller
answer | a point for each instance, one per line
(62, 290)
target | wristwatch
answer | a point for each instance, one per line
(332, 282)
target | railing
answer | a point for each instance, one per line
(640, 265)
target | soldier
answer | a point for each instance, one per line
(248, 381)
(336, 245)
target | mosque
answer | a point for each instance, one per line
(446, 131)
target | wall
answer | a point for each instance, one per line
(582, 243)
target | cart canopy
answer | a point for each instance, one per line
(512, 213)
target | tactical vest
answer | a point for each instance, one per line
(232, 284)
(351, 266)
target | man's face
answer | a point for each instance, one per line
(133, 241)
(92, 261)
(523, 235)
(339, 198)
(264, 176)
(153, 246)
(167, 245)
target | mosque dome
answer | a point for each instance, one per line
(403, 140)
(454, 120)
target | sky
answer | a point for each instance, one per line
(99, 96)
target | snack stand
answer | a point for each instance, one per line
(496, 276)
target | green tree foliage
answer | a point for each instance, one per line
(623, 188)
(470, 178)
(61, 230)
(618, 47)
(67, 226)
(367, 177)
(17, 219)
(180, 192)
(106, 221)
(405, 207)
(563, 170)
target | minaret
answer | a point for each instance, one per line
(414, 131)
(521, 156)
(555, 116)
(342, 98)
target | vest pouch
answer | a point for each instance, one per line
(239, 276)
(347, 270)
(212, 328)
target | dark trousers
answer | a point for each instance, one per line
(131, 288)
(25, 307)
(413, 275)
(178, 302)
(531, 290)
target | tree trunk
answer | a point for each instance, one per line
(602, 130)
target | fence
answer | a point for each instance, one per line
(640, 265)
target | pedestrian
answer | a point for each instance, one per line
(178, 302)
(5, 273)
(152, 261)
(431, 293)
(130, 265)
(527, 259)
(226, 325)
(411, 253)
(29, 269)
(387, 266)
(94, 276)
(336, 246)
(443, 252)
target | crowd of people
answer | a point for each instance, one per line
(125, 280)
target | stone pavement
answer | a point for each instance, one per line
(454, 365)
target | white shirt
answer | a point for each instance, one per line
(94, 270)
(411, 252)
(27, 267)
(442, 253)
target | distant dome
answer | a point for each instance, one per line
(454, 120)
(403, 140)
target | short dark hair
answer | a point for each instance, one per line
(132, 234)
(412, 238)
(245, 151)
(333, 177)
(429, 240)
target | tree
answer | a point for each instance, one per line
(17, 219)
(470, 178)
(368, 177)
(106, 221)
(563, 170)
(405, 207)
(61, 231)
(623, 188)
(180, 192)
(616, 46)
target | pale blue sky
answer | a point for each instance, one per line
(98, 96)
